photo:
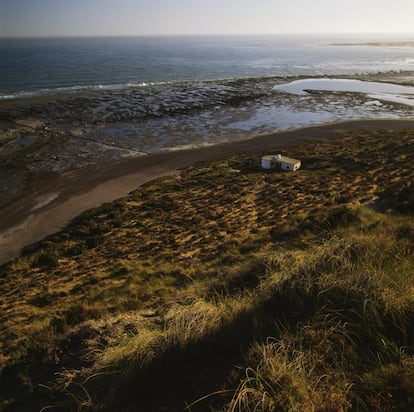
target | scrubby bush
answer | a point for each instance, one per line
(48, 259)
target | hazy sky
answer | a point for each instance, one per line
(151, 17)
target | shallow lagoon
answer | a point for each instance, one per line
(377, 90)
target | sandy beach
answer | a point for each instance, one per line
(57, 199)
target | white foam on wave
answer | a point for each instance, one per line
(77, 88)
(382, 91)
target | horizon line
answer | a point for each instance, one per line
(66, 36)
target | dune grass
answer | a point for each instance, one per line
(226, 288)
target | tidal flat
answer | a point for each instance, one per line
(67, 131)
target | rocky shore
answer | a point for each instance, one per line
(96, 146)
(53, 134)
(56, 198)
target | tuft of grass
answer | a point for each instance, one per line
(225, 290)
(286, 377)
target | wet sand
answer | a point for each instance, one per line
(58, 198)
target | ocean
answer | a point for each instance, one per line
(40, 66)
(126, 96)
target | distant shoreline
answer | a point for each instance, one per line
(55, 201)
(407, 43)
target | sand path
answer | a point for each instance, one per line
(60, 198)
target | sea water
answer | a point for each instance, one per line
(162, 93)
(39, 66)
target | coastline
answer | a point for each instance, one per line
(54, 135)
(56, 201)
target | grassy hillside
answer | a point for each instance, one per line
(226, 288)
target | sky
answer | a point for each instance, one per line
(33, 18)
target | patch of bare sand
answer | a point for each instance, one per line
(83, 189)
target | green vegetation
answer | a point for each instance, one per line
(226, 288)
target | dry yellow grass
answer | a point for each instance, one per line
(190, 268)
